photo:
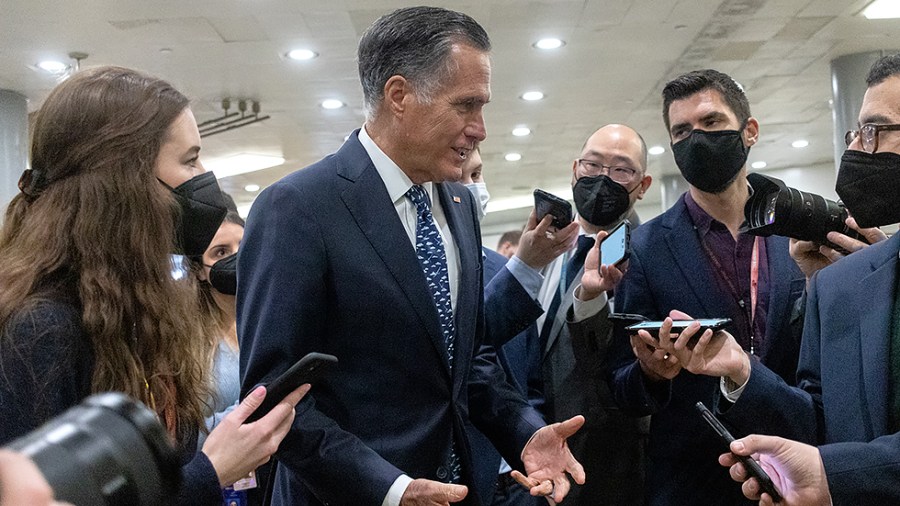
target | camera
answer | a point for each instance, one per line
(108, 450)
(777, 209)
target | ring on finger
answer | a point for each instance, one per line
(666, 356)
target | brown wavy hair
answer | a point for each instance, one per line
(94, 221)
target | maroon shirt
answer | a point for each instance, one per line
(732, 262)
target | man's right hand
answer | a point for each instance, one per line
(423, 492)
(655, 362)
(811, 257)
(541, 243)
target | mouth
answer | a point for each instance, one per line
(463, 153)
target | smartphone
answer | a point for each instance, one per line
(753, 468)
(616, 247)
(678, 325)
(548, 203)
(307, 370)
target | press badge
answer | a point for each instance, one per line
(232, 497)
(246, 483)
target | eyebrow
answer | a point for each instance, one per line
(615, 158)
(193, 150)
(705, 117)
(874, 118)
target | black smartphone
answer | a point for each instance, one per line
(307, 370)
(548, 203)
(616, 247)
(753, 468)
(679, 325)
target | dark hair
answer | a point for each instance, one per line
(415, 43)
(94, 220)
(511, 237)
(694, 82)
(885, 67)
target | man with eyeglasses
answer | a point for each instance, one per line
(848, 394)
(608, 177)
(694, 258)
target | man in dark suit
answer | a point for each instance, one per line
(694, 258)
(371, 256)
(847, 398)
(608, 177)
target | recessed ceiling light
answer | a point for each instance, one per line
(800, 143)
(521, 131)
(549, 43)
(656, 150)
(241, 163)
(513, 157)
(759, 165)
(54, 67)
(531, 96)
(332, 104)
(882, 9)
(252, 188)
(302, 54)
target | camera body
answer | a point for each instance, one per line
(108, 450)
(777, 209)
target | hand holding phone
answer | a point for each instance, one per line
(307, 370)
(547, 203)
(652, 327)
(753, 468)
(616, 247)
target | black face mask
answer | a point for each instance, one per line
(600, 200)
(710, 161)
(869, 185)
(203, 207)
(223, 275)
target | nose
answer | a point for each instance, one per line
(476, 129)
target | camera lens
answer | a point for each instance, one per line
(776, 209)
(108, 450)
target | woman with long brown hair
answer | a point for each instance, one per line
(88, 302)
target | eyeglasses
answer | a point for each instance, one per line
(617, 173)
(868, 135)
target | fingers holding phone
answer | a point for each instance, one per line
(541, 242)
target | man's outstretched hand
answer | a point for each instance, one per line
(548, 461)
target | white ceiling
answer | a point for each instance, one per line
(617, 56)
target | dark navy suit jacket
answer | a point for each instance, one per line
(842, 396)
(327, 266)
(669, 270)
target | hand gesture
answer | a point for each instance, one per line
(548, 460)
(597, 278)
(714, 354)
(541, 242)
(796, 470)
(423, 492)
(235, 448)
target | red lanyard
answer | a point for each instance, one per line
(754, 281)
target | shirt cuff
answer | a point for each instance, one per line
(585, 309)
(733, 395)
(530, 278)
(395, 493)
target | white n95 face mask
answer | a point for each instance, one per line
(479, 190)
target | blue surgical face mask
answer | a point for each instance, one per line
(479, 190)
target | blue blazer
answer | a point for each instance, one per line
(327, 266)
(669, 270)
(841, 399)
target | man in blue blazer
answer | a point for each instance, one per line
(693, 258)
(848, 394)
(369, 255)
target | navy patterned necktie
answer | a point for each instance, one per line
(433, 260)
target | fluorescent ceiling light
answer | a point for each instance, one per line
(241, 163)
(251, 188)
(513, 157)
(332, 104)
(54, 67)
(532, 96)
(302, 54)
(882, 9)
(549, 43)
(656, 150)
(759, 165)
(521, 131)
(800, 143)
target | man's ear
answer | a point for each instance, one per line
(751, 131)
(645, 183)
(397, 92)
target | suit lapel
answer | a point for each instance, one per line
(780, 285)
(875, 297)
(370, 205)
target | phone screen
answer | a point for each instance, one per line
(614, 247)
